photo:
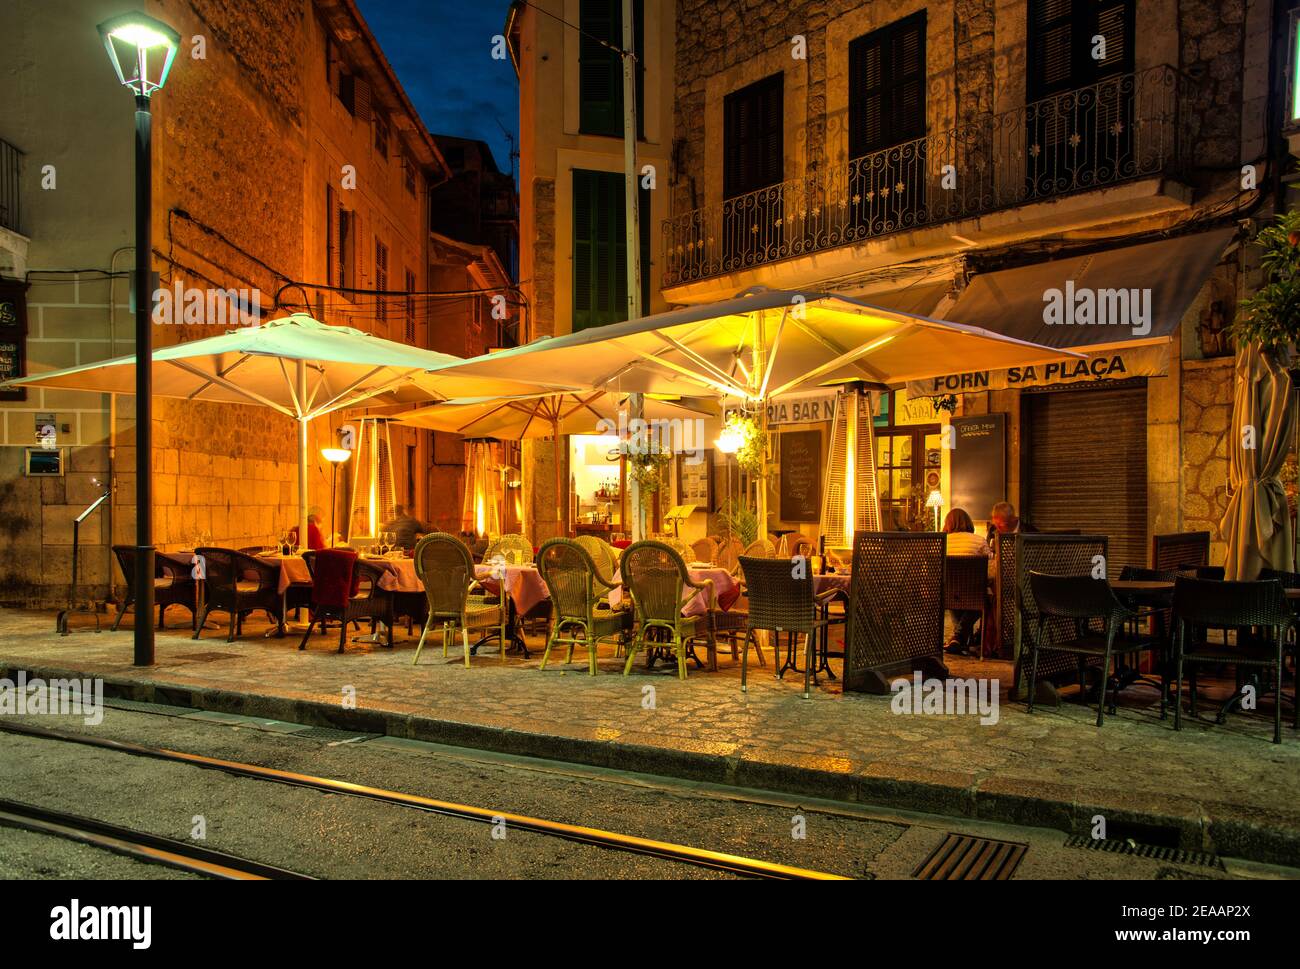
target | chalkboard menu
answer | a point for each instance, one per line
(13, 336)
(979, 463)
(801, 476)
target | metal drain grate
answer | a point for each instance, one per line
(961, 857)
(1155, 852)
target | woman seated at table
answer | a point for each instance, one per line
(962, 540)
(315, 540)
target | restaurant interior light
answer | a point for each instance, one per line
(142, 50)
(335, 455)
(729, 441)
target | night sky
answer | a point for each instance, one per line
(441, 51)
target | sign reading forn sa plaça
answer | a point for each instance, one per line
(1152, 361)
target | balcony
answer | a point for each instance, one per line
(10, 209)
(1122, 129)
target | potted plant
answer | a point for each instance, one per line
(1271, 315)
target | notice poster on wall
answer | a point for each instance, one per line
(801, 476)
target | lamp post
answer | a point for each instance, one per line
(729, 442)
(142, 49)
(335, 456)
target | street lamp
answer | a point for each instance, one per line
(142, 50)
(335, 456)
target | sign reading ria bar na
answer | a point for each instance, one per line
(1151, 361)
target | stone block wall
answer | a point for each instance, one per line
(1207, 414)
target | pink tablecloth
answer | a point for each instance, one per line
(399, 574)
(725, 587)
(838, 581)
(522, 583)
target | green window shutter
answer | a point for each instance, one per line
(600, 70)
(600, 249)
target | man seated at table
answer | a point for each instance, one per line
(315, 540)
(404, 527)
(1003, 521)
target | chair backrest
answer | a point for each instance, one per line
(513, 547)
(895, 610)
(729, 552)
(1073, 597)
(446, 569)
(605, 558)
(1208, 602)
(1180, 550)
(965, 581)
(679, 546)
(569, 571)
(761, 549)
(1134, 573)
(780, 596)
(334, 577)
(1289, 580)
(222, 567)
(800, 545)
(704, 550)
(126, 562)
(654, 573)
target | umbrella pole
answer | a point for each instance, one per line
(559, 510)
(302, 454)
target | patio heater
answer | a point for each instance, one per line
(481, 508)
(373, 480)
(850, 501)
(335, 456)
(142, 50)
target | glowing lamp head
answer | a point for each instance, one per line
(142, 50)
(935, 500)
(729, 441)
(335, 455)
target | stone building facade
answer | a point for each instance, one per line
(278, 115)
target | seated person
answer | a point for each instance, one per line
(315, 540)
(962, 540)
(1003, 521)
(404, 527)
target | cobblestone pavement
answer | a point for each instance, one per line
(1225, 787)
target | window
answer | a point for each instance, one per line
(1075, 142)
(600, 69)
(887, 86)
(753, 151)
(408, 174)
(340, 232)
(381, 135)
(600, 249)
(410, 308)
(381, 280)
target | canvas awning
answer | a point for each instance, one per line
(1148, 287)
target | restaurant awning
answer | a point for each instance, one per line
(1122, 297)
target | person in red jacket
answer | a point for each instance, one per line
(315, 540)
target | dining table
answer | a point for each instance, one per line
(399, 571)
(725, 587)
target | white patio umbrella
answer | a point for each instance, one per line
(761, 344)
(553, 415)
(297, 366)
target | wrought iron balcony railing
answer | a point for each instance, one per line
(10, 210)
(1122, 128)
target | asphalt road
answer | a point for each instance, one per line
(340, 836)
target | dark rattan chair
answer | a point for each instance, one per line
(1201, 603)
(173, 583)
(896, 597)
(732, 624)
(1180, 551)
(1077, 601)
(661, 587)
(966, 588)
(781, 600)
(446, 569)
(360, 595)
(577, 586)
(237, 584)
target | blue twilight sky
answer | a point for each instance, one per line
(442, 53)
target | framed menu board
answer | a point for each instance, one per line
(695, 480)
(801, 476)
(13, 336)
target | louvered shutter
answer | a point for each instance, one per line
(600, 248)
(753, 137)
(887, 86)
(600, 69)
(361, 99)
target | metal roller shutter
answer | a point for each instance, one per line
(1087, 467)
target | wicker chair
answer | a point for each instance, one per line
(513, 547)
(732, 624)
(173, 583)
(605, 558)
(364, 598)
(237, 584)
(1080, 599)
(800, 545)
(764, 548)
(966, 588)
(655, 573)
(704, 550)
(729, 552)
(446, 569)
(577, 585)
(1179, 551)
(1200, 603)
(781, 601)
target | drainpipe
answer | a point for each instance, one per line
(109, 511)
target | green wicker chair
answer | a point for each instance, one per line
(513, 547)
(446, 570)
(577, 586)
(604, 556)
(661, 587)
